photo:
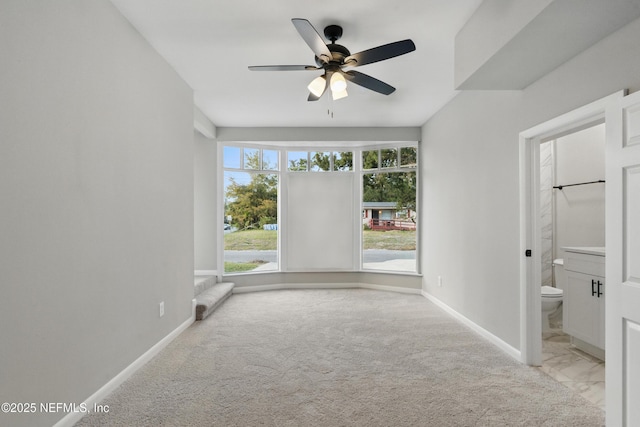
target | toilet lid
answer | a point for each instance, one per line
(551, 291)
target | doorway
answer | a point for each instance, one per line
(572, 214)
(530, 224)
(531, 237)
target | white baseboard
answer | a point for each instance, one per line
(205, 272)
(73, 417)
(281, 286)
(398, 289)
(510, 350)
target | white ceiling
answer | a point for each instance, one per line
(211, 43)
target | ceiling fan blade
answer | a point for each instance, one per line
(368, 82)
(283, 68)
(313, 39)
(380, 53)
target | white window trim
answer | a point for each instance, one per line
(379, 169)
(283, 174)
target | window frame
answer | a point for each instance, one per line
(222, 169)
(282, 149)
(398, 168)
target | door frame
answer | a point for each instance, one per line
(530, 236)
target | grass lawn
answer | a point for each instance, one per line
(392, 240)
(237, 267)
(257, 240)
(267, 240)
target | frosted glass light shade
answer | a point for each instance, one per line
(339, 94)
(338, 83)
(317, 86)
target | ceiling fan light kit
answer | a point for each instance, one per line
(338, 83)
(331, 58)
(317, 85)
(335, 94)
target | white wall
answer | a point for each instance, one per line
(475, 46)
(469, 165)
(298, 134)
(206, 222)
(547, 168)
(96, 191)
(469, 226)
(579, 210)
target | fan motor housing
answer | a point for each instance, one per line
(338, 53)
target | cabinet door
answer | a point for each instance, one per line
(581, 309)
(601, 314)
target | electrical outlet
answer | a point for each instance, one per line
(161, 308)
(440, 281)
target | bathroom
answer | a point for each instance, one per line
(572, 215)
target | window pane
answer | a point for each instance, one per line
(320, 161)
(389, 221)
(270, 160)
(343, 161)
(408, 157)
(250, 222)
(370, 160)
(389, 158)
(297, 160)
(231, 157)
(252, 158)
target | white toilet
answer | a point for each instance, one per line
(552, 297)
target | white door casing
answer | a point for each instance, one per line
(530, 267)
(623, 261)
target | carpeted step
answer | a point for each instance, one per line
(202, 283)
(210, 299)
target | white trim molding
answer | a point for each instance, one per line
(205, 272)
(510, 350)
(202, 124)
(73, 417)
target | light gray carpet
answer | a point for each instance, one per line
(350, 357)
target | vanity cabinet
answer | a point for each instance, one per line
(584, 296)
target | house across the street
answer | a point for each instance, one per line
(387, 216)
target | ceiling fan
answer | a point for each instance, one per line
(332, 57)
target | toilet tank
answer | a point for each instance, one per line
(559, 276)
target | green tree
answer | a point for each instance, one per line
(398, 187)
(409, 156)
(256, 203)
(321, 160)
(370, 159)
(343, 161)
(298, 165)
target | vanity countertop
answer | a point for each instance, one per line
(589, 250)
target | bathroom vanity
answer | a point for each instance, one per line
(584, 297)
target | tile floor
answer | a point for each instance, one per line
(572, 367)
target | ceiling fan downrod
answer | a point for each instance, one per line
(333, 32)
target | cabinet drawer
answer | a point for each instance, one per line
(584, 263)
